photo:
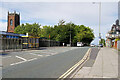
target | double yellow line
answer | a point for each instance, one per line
(68, 72)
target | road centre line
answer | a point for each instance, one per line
(21, 58)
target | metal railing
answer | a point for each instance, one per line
(10, 44)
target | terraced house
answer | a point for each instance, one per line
(113, 36)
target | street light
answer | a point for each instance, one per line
(99, 20)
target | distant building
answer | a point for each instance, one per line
(113, 36)
(13, 21)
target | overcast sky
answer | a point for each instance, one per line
(49, 13)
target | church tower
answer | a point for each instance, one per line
(13, 21)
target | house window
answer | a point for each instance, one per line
(114, 29)
(11, 22)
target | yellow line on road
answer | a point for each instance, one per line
(68, 72)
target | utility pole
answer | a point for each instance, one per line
(70, 34)
(49, 40)
(99, 22)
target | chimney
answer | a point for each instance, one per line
(117, 22)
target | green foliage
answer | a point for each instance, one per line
(60, 32)
(102, 41)
(31, 29)
(83, 34)
(46, 31)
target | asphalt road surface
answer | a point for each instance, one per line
(46, 67)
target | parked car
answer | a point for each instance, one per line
(100, 45)
(92, 45)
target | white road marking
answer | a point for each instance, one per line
(17, 63)
(32, 53)
(32, 59)
(23, 61)
(36, 54)
(21, 58)
(47, 55)
(6, 57)
(40, 55)
(53, 53)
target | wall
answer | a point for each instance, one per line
(118, 44)
(108, 43)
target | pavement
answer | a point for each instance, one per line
(45, 63)
(105, 65)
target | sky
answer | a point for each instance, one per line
(49, 13)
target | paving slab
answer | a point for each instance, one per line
(105, 65)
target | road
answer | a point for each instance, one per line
(51, 66)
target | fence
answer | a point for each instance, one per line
(10, 44)
(48, 43)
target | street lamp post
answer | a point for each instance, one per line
(99, 21)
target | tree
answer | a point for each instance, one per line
(102, 41)
(20, 29)
(31, 29)
(83, 34)
(60, 32)
(61, 22)
(46, 31)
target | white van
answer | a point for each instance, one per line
(79, 44)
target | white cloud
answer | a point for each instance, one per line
(3, 26)
(76, 12)
(3, 13)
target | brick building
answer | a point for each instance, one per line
(113, 36)
(13, 21)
